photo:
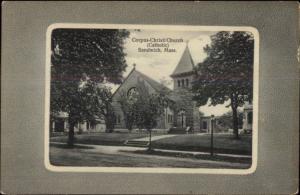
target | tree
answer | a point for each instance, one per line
(142, 108)
(226, 73)
(225, 120)
(80, 57)
(99, 104)
(128, 108)
(149, 107)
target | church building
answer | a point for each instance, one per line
(183, 115)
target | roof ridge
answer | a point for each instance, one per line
(148, 80)
(191, 58)
(153, 80)
(123, 82)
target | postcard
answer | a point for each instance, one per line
(151, 98)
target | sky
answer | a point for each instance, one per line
(160, 65)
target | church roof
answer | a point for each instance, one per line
(156, 85)
(185, 64)
(153, 83)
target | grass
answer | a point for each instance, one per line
(113, 139)
(195, 156)
(223, 143)
(59, 156)
(66, 146)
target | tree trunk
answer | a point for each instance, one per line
(234, 106)
(71, 134)
(149, 147)
(107, 124)
(235, 123)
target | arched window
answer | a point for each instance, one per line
(182, 82)
(178, 82)
(187, 82)
(132, 94)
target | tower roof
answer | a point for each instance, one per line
(185, 64)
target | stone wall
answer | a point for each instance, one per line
(185, 102)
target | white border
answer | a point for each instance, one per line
(252, 169)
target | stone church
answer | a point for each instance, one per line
(185, 114)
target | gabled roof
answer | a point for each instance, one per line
(154, 84)
(123, 82)
(185, 63)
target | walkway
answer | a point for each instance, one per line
(153, 138)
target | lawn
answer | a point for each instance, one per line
(60, 155)
(183, 155)
(223, 143)
(114, 139)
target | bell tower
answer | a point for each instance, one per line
(184, 72)
(187, 113)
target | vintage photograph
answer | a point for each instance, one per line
(146, 97)
(151, 97)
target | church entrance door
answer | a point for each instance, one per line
(182, 119)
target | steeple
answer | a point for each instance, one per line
(185, 64)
